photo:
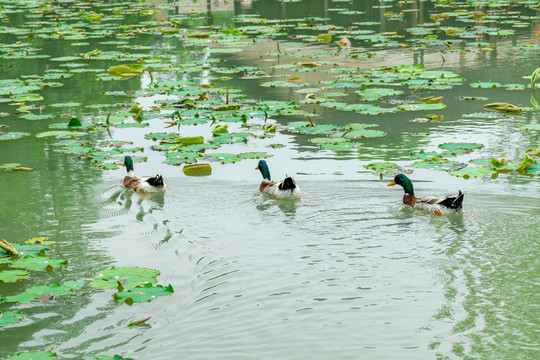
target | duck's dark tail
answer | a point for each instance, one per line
(454, 203)
(156, 181)
(287, 184)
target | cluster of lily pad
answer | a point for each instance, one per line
(529, 166)
(23, 259)
(133, 284)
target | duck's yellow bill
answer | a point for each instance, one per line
(392, 183)
(257, 168)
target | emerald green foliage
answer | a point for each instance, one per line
(128, 277)
(33, 355)
(144, 293)
(45, 292)
(9, 276)
(10, 317)
(39, 263)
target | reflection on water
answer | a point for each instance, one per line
(287, 206)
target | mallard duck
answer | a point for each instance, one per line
(284, 189)
(145, 184)
(436, 204)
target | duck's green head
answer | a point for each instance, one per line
(263, 168)
(128, 163)
(405, 183)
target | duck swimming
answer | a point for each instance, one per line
(284, 189)
(145, 184)
(436, 204)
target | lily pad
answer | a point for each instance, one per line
(10, 276)
(10, 317)
(535, 127)
(39, 263)
(470, 171)
(42, 292)
(60, 133)
(144, 293)
(33, 355)
(381, 166)
(462, 146)
(13, 135)
(129, 277)
(435, 163)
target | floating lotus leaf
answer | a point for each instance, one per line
(125, 70)
(421, 106)
(27, 97)
(129, 277)
(106, 357)
(144, 293)
(381, 166)
(36, 116)
(222, 157)
(328, 140)
(486, 85)
(254, 155)
(342, 146)
(60, 134)
(361, 134)
(424, 155)
(535, 127)
(182, 157)
(470, 171)
(10, 317)
(436, 163)
(466, 146)
(33, 355)
(308, 128)
(368, 109)
(45, 292)
(9, 276)
(13, 135)
(39, 263)
(27, 249)
(162, 136)
(374, 94)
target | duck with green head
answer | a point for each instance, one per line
(436, 204)
(284, 189)
(145, 184)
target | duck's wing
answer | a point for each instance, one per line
(450, 202)
(131, 181)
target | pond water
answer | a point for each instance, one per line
(347, 271)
